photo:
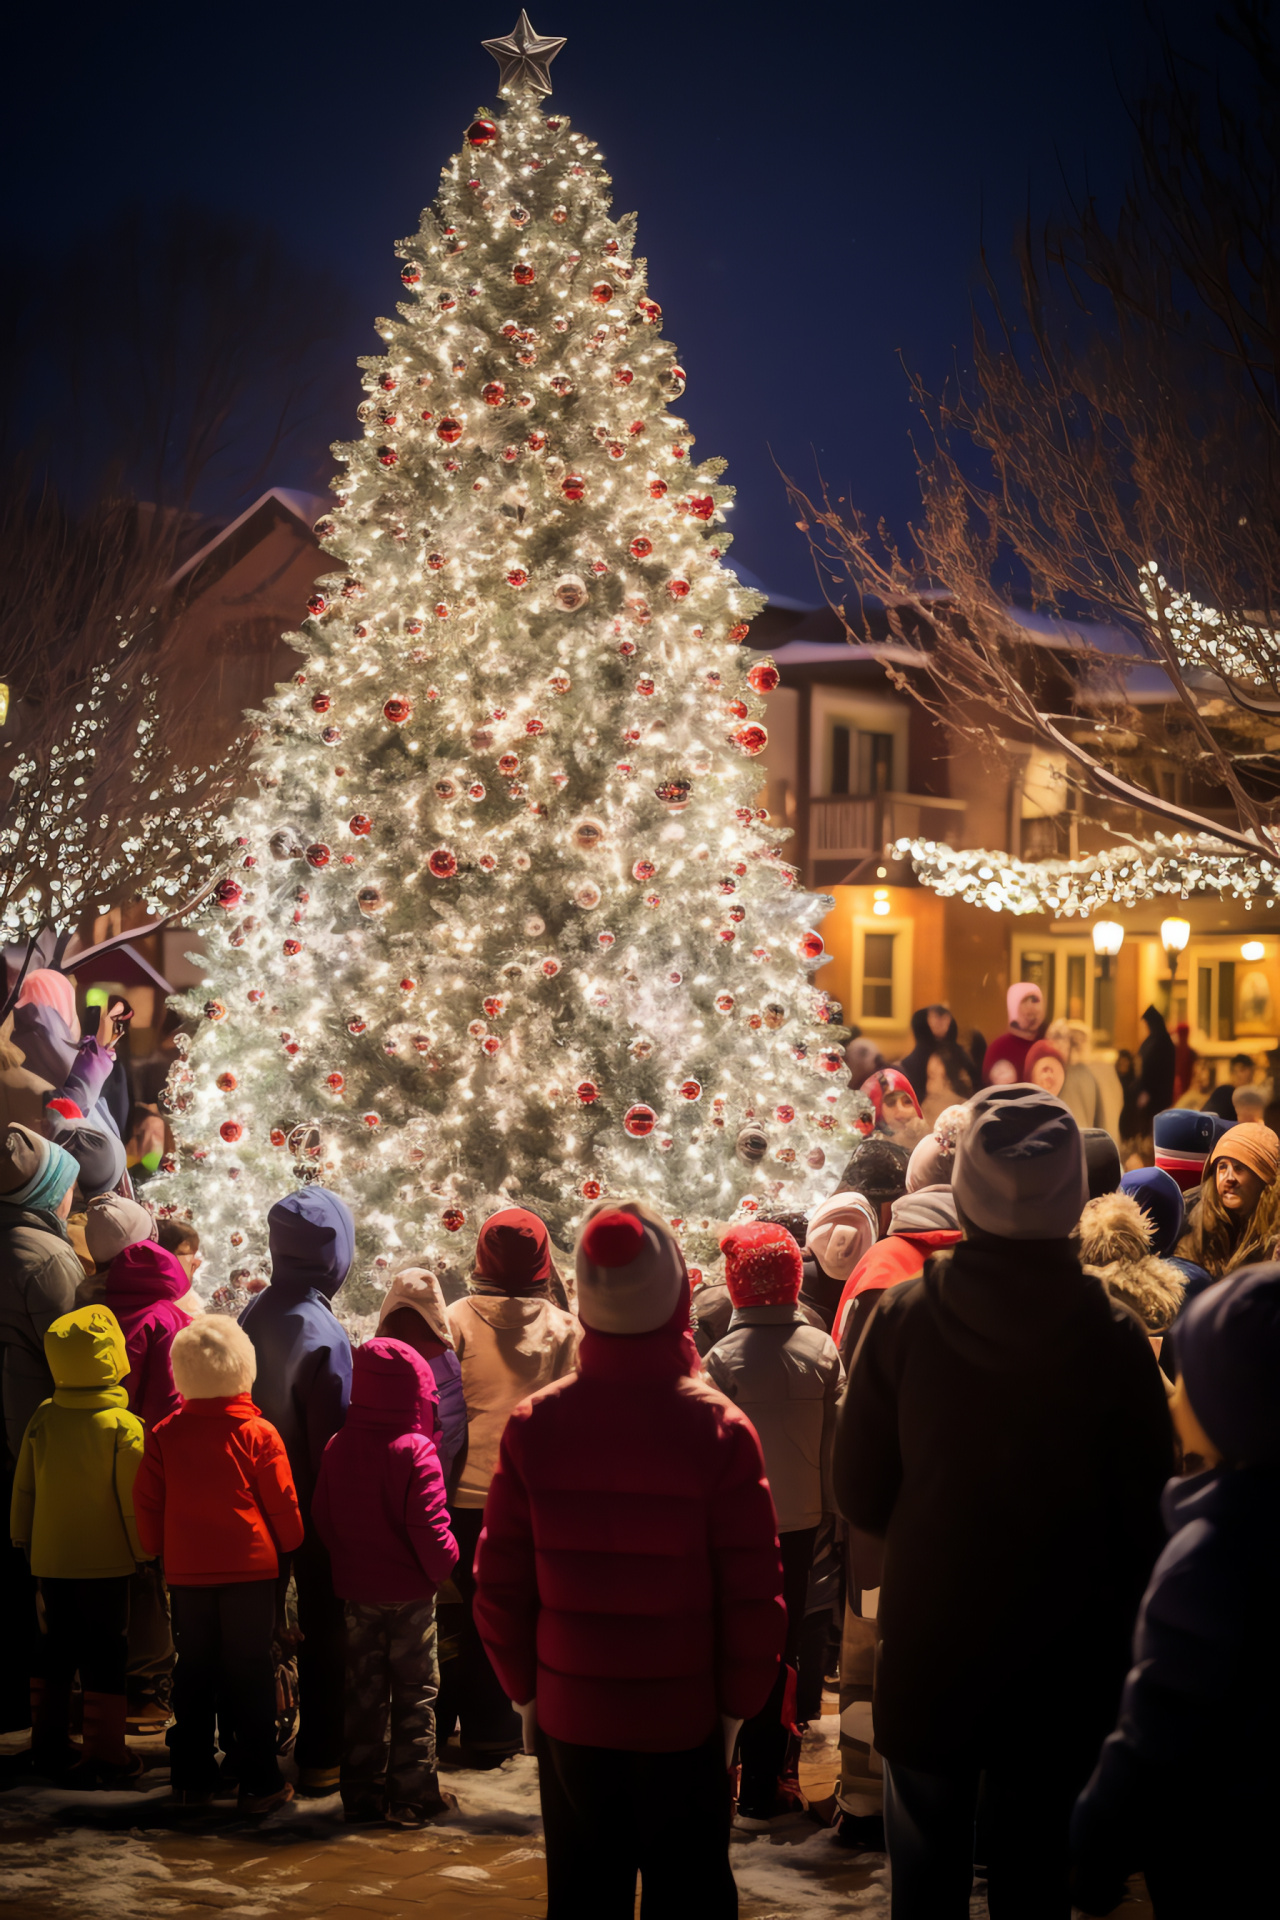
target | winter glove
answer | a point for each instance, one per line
(528, 1721)
(730, 1729)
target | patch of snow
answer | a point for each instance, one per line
(464, 1873)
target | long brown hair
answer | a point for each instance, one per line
(1218, 1242)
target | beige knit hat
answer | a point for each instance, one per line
(841, 1229)
(113, 1223)
(630, 1269)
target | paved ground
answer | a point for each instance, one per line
(113, 1856)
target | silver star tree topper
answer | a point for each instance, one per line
(524, 57)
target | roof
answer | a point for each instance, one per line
(304, 508)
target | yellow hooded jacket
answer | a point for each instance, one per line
(73, 1490)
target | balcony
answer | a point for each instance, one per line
(853, 829)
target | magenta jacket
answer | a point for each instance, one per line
(142, 1287)
(379, 1504)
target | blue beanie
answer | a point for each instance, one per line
(1227, 1348)
(1183, 1141)
(1160, 1197)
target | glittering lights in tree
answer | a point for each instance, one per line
(508, 924)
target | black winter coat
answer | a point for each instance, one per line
(1005, 1431)
(1205, 1681)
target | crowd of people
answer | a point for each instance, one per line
(989, 1442)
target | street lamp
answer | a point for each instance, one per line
(1253, 950)
(1174, 935)
(1108, 938)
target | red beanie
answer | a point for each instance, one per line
(762, 1266)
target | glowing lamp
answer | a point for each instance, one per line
(1108, 938)
(1253, 950)
(1174, 935)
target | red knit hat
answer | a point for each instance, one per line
(762, 1266)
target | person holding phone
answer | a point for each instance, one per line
(77, 1066)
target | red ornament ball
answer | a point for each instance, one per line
(678, 588)
(517, 577)
(450, 429)
(573, 486)
(290, 948)
(336, 1082)
(657, 488)
(321, 702)
(452, 1219)
(701, 506)
(523, 273)
(231, 1131)
(387, 456)
(442, 863)
(740, 631)
(591, 1189)
(228, 894)
(318, 855)
(493, 393)
(810, 946)
(751, 740)
(491, 1044)
(550, 968)
(763, 677)
(226, 1083)
(641, 547)
(360, 824)
(691, 1089)
(411, 274)
(481, 133)
(397, 709)
(831, 1059)
(317, 604)
(602, 292)
(508, 763)
(784, 1114)
(408, 985)
(371, 1120)
(648, 312)
(643, 870)
(587, 1091)
(639, 1122)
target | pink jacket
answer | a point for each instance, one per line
(379, 1504)
(142, 1287)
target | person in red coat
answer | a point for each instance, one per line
(629, 1590)
(215, 1499)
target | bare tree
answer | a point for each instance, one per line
(1115, 449)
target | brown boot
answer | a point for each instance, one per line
(53, 1751)
(107, 1763)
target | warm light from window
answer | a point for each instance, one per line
(881, 902)
(1253, 950)
(1108, 938)
(4, 703)
(882, 873)
(1174, 935)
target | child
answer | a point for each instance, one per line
(413, 1310)
(180, 1238)
(73, 1513)
(215, 1498)
(897, 1111)
(1201, 1699)
(786, 1377)
(379, 1507)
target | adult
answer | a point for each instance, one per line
(630, 1590)
(1114, 1236)
(413, 1310)
(1006, 1057)
(933, 1029)
(1236, 1219)
(1184, 1060)
(1239, 1074)
(1183, 1142)
(894, 1105)
(1081, 1088)
(77, 1066)
(1164, 1211)
(1101, 1160)
(1046, 1068)
(303, 1386)
(839, 1231)
(1003, 1344)
(1199, 1084)
(22, 1093)
(877, 1169)
(511, 1340)
(39, 1273)
(786, 1377)
(100, 1162)
(921, 1224)
(949, 1077)
(1156, 1066)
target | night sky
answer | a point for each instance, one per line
(813, 184)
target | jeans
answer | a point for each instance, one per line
(1026, 1797)
(763, 1742)
(223, 1636)
(389, 1749)
(609, 1815)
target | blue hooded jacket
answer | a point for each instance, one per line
(304, 1356)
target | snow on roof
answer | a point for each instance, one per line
(306, 508)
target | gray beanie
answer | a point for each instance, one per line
(1020, 1167)
(98, 1153)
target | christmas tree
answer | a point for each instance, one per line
(509, 926)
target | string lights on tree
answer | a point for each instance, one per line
(508, 925)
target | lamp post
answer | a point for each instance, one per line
(1108, 938)
(1174, 935)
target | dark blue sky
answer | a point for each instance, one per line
(812, 183)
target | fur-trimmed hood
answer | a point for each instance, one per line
(213, 1359)
(1115, 1247)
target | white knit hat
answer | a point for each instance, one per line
(841, 1229)
(630, 1269)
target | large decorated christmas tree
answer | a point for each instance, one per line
(510, 926)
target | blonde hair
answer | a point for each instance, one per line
(212, 1359)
